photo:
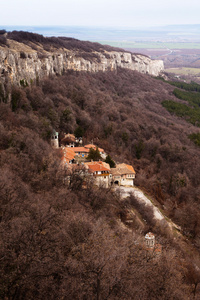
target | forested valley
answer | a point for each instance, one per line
(63, 241)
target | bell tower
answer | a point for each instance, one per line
(54, 139)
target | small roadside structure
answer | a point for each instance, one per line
(151, 246)
(123, 175)
(101, 172)
(150, 240)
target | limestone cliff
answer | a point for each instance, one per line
(21, 62)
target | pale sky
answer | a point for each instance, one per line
(109, 13)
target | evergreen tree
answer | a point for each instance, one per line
(94, 154)
(79, 131)
(110, 161)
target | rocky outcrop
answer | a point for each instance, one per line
(23, 64)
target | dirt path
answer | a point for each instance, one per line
(126, 191)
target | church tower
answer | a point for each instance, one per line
(54, 139)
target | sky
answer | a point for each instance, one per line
(99, 13)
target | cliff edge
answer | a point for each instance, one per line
(28, 58)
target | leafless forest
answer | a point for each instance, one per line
(63, 241)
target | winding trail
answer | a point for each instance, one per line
(126, 191)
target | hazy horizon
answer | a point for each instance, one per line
(125, 14)
(172, 33)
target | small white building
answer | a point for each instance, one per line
(150, 240)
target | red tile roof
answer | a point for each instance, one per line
(98, 166)
(68, 154)
(90, 146)
(130, 168)
(68, 138)
(81, 149)
(94, 147)
(123, 169)
(149, 235)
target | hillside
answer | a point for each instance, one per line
(70, 240)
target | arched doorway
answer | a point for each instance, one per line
(116, 182)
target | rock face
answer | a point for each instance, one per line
(20, 63)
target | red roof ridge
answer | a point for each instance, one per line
(79, 149)
(96, 166)
(88, 146)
